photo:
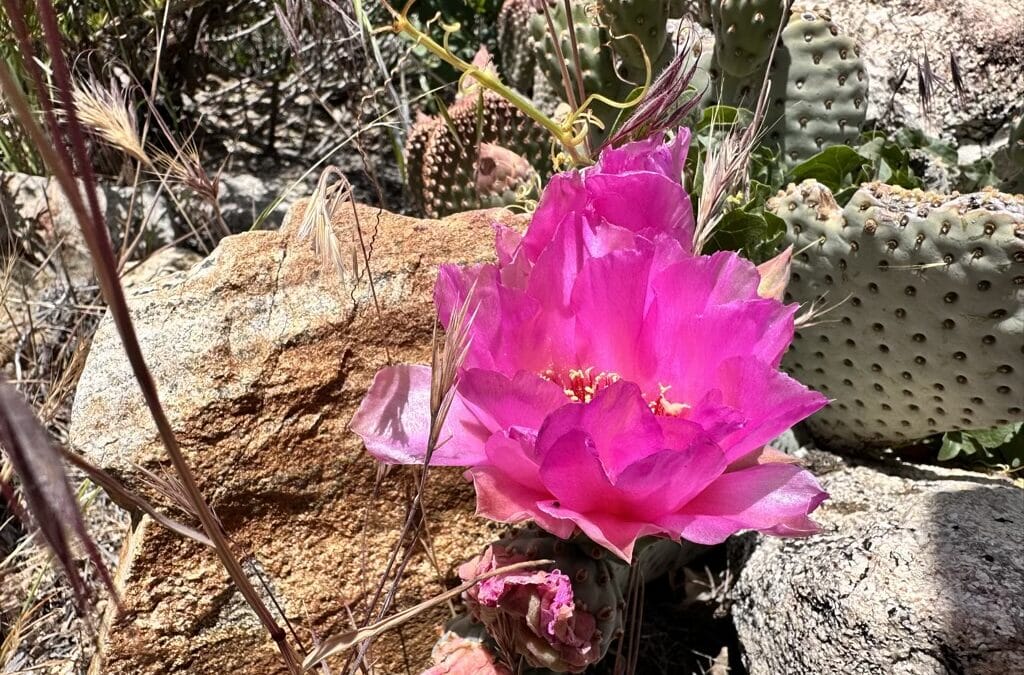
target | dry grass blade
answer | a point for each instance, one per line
(129, 501)
(61, 160)
(46, 490)
(340, 643)
(725, 170)
(446, 360)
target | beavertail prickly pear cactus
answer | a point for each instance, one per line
(745, 31)
(928, 336)
(819, 84)
(478, 161)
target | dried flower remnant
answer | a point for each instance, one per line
(615, 382)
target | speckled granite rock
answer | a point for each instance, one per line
(261, 356)
(918, 571)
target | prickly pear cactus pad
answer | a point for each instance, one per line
(515, 45)
(929, 336)
(745, 30)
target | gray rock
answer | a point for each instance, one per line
(917, 570)
(987, 38)
(244, 197)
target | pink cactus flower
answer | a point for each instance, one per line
(616, 382)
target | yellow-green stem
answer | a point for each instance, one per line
(566, 139)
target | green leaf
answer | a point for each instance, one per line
(721, 115)
(1001, 446)
(835, 167)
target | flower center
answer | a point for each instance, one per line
(582, 384)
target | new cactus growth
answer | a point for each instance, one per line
(927, 337)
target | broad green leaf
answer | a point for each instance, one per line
(835, 167)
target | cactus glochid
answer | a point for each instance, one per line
(927, 335)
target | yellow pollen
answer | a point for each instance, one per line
(580, 385)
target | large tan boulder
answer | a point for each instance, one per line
(261, 356)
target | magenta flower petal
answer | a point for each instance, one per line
(651, 154)
(613, 532)
(612, 292)
(563, 195)
(771, 401)
(394, 421)
(497, 500)
(617, 425)
(773, 498)
(615, 382)
(498, 402)
(644, 203)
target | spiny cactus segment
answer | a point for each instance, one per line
(476, 161)
(927, 335)
(745, 31)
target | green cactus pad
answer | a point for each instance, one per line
(745, 31)
(818, 96)
(928, 335)
(639, 26)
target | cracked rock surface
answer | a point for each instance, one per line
(918, 570)
(261, 355)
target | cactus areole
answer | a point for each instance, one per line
(616, 382)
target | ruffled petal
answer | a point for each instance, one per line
(771, 401)
(616, 427)
(773, 498)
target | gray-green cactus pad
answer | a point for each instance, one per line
(929, 333)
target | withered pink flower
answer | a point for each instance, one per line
(456, 654)
(533, 613)
(615, 382)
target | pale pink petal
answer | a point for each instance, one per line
(606, 528)
(393, 420)
(775, 275)
(507, 502)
